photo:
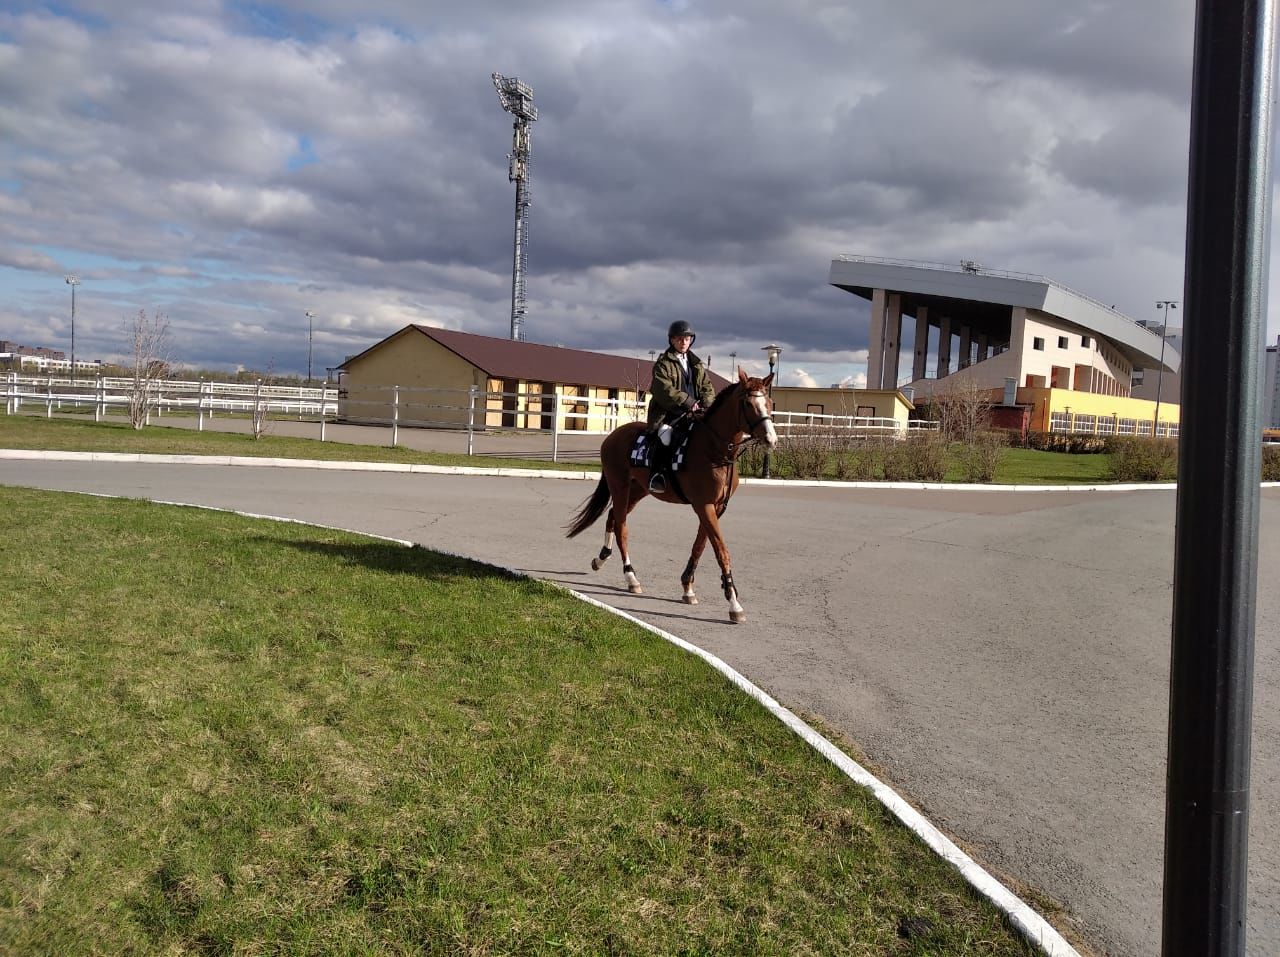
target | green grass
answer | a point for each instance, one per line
(1018, 466)
(221, 735)
(72, 435)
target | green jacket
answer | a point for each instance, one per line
(668, 393)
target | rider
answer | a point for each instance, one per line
(681, 387)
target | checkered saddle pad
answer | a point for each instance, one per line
(640, 451)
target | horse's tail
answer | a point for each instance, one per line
(591, 509)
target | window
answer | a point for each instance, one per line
(1086, 341)
(1038, 344)
(1062, 342)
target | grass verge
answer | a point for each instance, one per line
(221, 735)
(72, 435)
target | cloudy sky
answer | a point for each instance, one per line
(236, 164)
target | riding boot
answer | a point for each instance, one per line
(659, 459)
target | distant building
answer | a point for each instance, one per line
(1027, 340)
(1271, 388)
(437, 370)
(40, 359)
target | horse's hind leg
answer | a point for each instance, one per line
(622, 506)
(607, 549)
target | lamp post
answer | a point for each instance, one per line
(310, 318)
(72, 281)
(733, 365)
(773, 351)
(1166, 305)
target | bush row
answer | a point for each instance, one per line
(927, 457)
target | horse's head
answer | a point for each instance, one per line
(757, 407)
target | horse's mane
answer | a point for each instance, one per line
(723, 395)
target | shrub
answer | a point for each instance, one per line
(1068, 442)
(803, 455)
(980, 458)
(860, 462)
(1271, 463)
(1141, 459)
(921, 458)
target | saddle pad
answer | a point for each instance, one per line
(641, 449)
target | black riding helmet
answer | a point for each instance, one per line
(681, 328)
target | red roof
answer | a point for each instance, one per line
(534, 362)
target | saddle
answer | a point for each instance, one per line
(642, 451)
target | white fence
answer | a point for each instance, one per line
(810, 424)
(1075, 423)
(550, 415)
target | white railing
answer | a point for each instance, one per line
(812, 424)
(549, 415)
(1081, 424)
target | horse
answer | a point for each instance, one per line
(706, 482)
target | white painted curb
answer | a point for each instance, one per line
(252, 461)
(1032, 926)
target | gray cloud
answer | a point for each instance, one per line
(236, 165)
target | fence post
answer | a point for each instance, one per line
(555, 426)
(395, 415)
(48, 402)
(322, 414)
(200, 406)
(471, 419)
(98, 411)
(11, 400)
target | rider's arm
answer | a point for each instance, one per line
(665, 389)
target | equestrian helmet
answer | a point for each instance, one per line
(681, 328)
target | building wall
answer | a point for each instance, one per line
(1044, 403)
(435, 386)
(882, 403)
(427, 373)
(1271, 388)
(1065, 361)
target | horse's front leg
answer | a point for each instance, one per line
(709, 517)
(686, 577)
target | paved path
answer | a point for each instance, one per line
(1001, 658)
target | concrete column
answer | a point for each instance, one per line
(944, 347)
(984, 346)
(892, 341)
(875, 344)
(966, 346)
(922, 342)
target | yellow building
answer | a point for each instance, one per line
(438, 378)
(806, 405)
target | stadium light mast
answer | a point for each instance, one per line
(517, 99)
(73, 281)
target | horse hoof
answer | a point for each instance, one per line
(595, 564)
(689, 599)
(635, 589)
(737, 617)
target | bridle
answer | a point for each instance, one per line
(734, 451)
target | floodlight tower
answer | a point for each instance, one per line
(517, 99)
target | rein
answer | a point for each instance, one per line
(734, 450)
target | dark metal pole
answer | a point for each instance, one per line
(1216, 539)
(765, 473)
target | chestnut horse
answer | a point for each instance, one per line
(707, 480)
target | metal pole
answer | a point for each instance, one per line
(395, 415)
(471, 421)
(1166, 305)
(767, 463)
(1211, 681)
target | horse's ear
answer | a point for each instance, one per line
(768, 380)
(742, 375)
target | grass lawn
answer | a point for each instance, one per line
(222, 735)
(1018, 466)
(73, 435)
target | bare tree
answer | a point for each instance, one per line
(964, 412)
(150, 338)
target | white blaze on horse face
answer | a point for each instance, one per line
(760, 403)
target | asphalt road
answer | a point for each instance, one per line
(1001, 658)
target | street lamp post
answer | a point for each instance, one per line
(72, 281)
(1166, 305)
(773, 351)
(733, 365)
(310, 317)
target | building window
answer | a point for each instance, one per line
(1038, 344)
(1062, 342)
(1086, 341)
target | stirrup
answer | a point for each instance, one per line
(657, 483)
